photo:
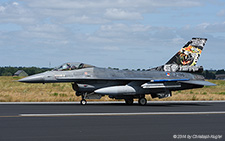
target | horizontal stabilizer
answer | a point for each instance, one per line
(199, 82)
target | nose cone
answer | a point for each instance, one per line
(38, 78)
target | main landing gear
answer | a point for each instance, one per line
(142, 101)
(129, 101)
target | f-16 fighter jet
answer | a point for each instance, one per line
(91, 82)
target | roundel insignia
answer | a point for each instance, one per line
(167, 74)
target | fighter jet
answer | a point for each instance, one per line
(91, 82)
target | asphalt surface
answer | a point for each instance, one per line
(112, 121)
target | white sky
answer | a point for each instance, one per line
(121, 33)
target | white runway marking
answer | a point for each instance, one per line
(121, 114)
(109, 102)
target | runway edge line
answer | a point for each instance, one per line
(121, 114)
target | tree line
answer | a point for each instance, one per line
(10, 71)
(211, 74)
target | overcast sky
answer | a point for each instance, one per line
(109, 33)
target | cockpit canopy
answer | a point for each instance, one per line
(72, 66)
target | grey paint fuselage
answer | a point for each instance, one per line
(93, 78)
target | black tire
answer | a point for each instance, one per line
(142, 101)
(129, 101)
(83, 102)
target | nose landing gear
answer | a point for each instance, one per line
(83, 102)
(87, 95)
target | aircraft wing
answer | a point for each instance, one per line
(199, 82)
(171, 83)
(121, 79)
(183, 80)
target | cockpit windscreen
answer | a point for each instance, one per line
(72, 66)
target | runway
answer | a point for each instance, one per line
(112, 121)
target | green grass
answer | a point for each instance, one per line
(223, 93)
(13, 91)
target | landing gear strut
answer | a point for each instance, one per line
(83, 101)
(142, 101)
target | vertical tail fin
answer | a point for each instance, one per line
(189, 54)
(186, 58)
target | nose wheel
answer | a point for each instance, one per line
(83, 102)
